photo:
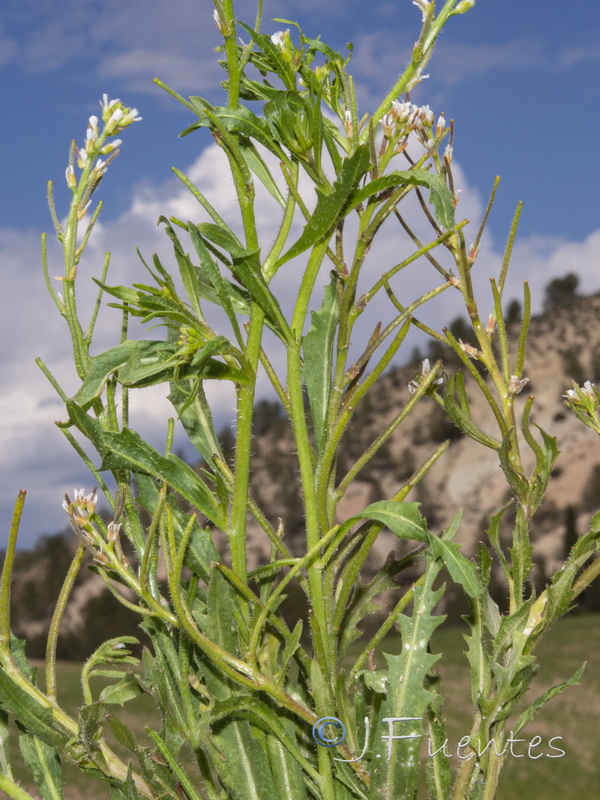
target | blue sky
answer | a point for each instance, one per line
(520, 79)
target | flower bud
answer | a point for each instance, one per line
(112, 531)
(70, 176)
(423, 5)
(348, 122)
(471, 351)
(110, 146)
(387, 125)
(515, 384)
(426, 115)
(82, 158)
(463, 6)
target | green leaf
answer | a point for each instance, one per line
(493, 534)
(461, 569)
(403, 519)
(246, 772)
(255, 162)
(44, 763)
(35, 718)
(515, 480)
(541, 701)
(330, 206)
(171, 760)
(285, 756)
(238, 120)
(459, 412)
(122, 733)
(278, 64)
(189, 275)
(224, 296)
(119, 693)
(4, 744)
(396, 761)
(439, 774)
(200, 550)
(522, 550)
(128, 789)
(246, 268)
(89, 426)
(127, 450)
(143, 359)
(439, 195)
(317, 346)
(196, 419)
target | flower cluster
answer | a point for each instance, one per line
(584, 401)
(404, 118)
(116, 117)
(83, 506)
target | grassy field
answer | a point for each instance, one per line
(574, 716)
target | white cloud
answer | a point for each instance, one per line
(580, 54)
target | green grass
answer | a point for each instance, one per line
(572, 715)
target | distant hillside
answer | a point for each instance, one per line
(564, 345)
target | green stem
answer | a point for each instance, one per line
(585, 579)
(243, 440)
(57, 616)
(421, 55)
(233, 65)
(5, 582)
(13, 790)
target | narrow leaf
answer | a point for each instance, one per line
(317, 346)
(44, 763)
(541, 701)
(127, 450)
(461, 569)
(330, 206)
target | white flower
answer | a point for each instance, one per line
(425, 371)
(427, 116)
(217, 20)
(82, 506)
(100, 168)
(107, 106)
(416, 78)
(129, 117)
(588, 388)
(278, 38)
